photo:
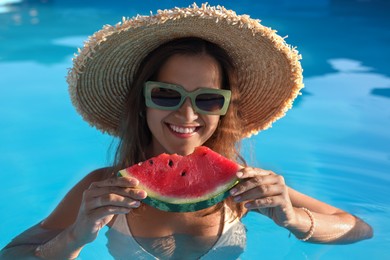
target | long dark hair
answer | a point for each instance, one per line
(134, 133)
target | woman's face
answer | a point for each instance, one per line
(182, 130)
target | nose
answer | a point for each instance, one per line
(186, 111)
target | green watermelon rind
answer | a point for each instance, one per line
(185, 204)
(190, 206)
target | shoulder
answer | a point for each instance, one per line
(94, 176)
(99, 175)
(66, 211)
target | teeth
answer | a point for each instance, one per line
(182, 130)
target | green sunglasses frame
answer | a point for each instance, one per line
(149, 85)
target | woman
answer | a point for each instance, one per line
(187, 49)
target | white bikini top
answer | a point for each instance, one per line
(122, 245)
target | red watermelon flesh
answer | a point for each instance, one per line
(175, 179)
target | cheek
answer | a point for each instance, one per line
(212, 123)
(154, 117)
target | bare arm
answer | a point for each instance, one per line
(307, 218)
(76, 221)
(23, 246)
(54, 226)
(332, 225)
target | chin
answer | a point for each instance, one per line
(184, 151)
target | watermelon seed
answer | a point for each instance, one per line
(183, 173)
(170, 163)
(151, 162)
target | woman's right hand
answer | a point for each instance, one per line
(100, 202)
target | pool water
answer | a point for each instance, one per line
(334, 145)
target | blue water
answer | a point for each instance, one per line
(334, 145)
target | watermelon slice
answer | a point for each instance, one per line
(185, 183)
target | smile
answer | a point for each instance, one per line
(182, 130)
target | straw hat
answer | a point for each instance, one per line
(269, 71)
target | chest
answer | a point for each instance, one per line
(176, 235)
(177, 246)
(153, 223)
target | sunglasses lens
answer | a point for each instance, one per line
(210, 102)
(165, 97)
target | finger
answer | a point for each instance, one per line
(249, 172)
(95, 198)
(261, 191)
(125, 192)
(112, 200)
(103, 212)
(267, 202)
(257, 181)
(126, 182)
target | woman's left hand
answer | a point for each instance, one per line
(266, 192)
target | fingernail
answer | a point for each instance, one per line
(233, 191)
(142, 194)
(239, 174)
(237, 198)
(248, 205)
(136, 204)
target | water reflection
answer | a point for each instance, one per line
(344, 99)
(350, 66)
(6, 5)
(383, 92)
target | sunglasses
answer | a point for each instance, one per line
(209, 101)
